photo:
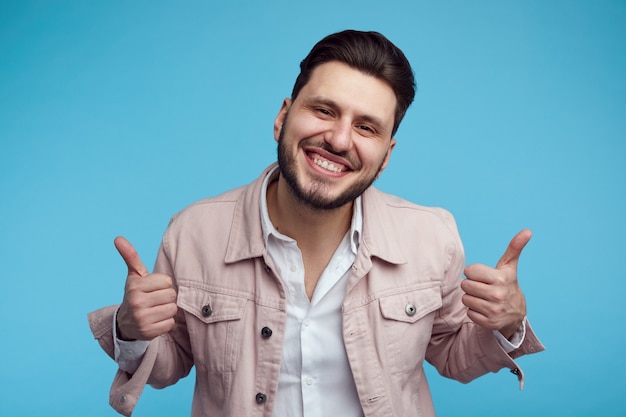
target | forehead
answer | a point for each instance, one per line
(352, 90)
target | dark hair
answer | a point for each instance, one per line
(370, 53)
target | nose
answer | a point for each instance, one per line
(339, 136)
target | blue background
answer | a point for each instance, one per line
(115, 115)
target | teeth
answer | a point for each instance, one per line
(327, 165)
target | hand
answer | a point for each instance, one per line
(149, 304)
(493, 295)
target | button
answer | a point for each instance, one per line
(309, 381)
(261, 398)
(266, 333)
(207, 310)
(516, 371)
(410, 310)
(293, 268)
(123, 399)
(267, 268)
(306, 322)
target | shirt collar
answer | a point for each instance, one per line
(356, 227)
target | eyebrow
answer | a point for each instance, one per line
(317, 100)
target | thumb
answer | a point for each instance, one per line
(514, 250)
(130, 256)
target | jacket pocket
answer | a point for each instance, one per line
(215, 323)
(411, 306)
(407, 320)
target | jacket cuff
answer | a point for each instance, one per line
(101, 325)
(126, 388)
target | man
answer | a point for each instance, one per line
(309, 292)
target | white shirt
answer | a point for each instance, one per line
(315, 378)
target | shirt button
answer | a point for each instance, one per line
(261, 398)
(207, 310)
(410, 310)
(309, 381)
(266, 333)
(123, 399)
(293, 268)
(306, 322)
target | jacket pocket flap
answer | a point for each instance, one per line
(412, 305)
(210, 306)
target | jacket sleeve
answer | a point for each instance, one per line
(459, 348)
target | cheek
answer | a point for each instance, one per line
(372, 154)
(303, 126)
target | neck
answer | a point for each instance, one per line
(310, 227)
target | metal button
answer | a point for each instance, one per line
(261, 398)
(123, 399)
(207, 310)
(516, 371)
(266, 333)
(410, 310)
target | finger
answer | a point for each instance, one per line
(145, 286)
(130, 256)
(144, 293)
(481, 273)
(475, 304)
(159, 313)
(157, 321)
(514, 250)
(477, 289)
(157, 329)
(482, 320)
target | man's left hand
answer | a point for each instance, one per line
(493, 295)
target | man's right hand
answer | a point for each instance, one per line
(149, 304)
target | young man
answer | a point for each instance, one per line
(309, 292)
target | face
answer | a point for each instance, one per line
(335, 139)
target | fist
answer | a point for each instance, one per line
(493, 295)
(149, 304)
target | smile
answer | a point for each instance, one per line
(326, 165)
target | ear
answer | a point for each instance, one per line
(392, 145)
(281, 117)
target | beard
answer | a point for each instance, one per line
(316, 195)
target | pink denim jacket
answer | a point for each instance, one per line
(402, 305)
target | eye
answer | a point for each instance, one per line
(365, 128)
(323, 111)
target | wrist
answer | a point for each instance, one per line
(118, 332)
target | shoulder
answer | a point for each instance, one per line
(403, 211)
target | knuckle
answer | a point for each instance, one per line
(135, 304)
(173, 310)
(500, 295)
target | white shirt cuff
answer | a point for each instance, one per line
(128, 354)
(516, 340)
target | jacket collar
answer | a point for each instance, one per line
(246, 234)
(380, 232)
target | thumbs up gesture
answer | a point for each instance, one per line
(492, 295)
(149, 304)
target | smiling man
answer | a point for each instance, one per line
(309, 292)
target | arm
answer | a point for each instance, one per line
(463, 345)
(150, 316)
